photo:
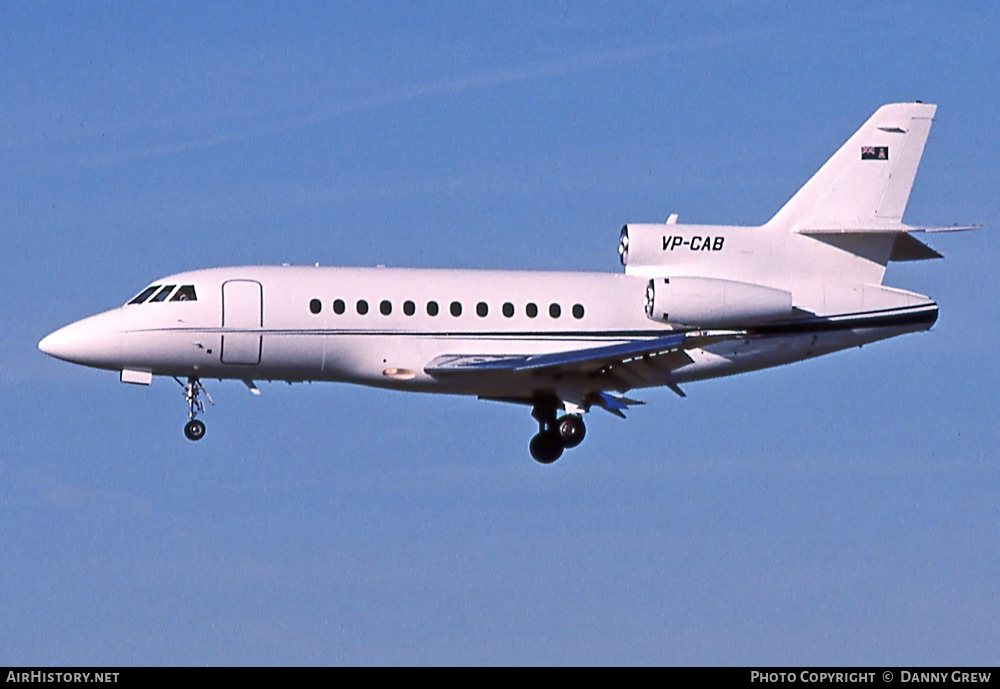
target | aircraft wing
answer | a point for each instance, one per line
(574, 360)
(619, 367)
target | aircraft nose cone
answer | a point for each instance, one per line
(54, 344)
(94, 341)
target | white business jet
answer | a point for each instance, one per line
(694, 302)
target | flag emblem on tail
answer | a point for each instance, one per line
(874, 153)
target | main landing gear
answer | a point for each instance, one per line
(555, 434)
(194, 429)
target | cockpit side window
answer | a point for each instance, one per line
(185, 293)
(163, 293)
(145, 294)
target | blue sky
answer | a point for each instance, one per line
(840, 511)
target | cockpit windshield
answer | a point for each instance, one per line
(144, 294)
(163, 292)
(185, 293)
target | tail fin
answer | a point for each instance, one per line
(867, 183)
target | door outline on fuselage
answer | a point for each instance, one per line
(242, 309)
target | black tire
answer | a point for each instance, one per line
(194, 430)
(571, 430)
(546, 447)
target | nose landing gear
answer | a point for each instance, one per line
(194, 429)
(554, 434)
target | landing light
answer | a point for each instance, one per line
(399, 373)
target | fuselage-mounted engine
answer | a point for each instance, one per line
(714, 303)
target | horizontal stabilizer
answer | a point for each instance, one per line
(888, 229)
(908, 248)
(950, 228)
(905, 248)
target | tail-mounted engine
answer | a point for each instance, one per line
(644, 249)
(714, 303)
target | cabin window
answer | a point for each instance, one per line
(315, 305)
(163, 293)
(531, 310)
(482, 309)
(432, 308)
(185, 293)
(409, 308)
(456, 309)
(145, 294)
(385, 308)
(338, 306)
(508, 310)
(578, 311)
(555, 310)
(362, 307)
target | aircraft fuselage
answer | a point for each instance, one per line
(381, 326)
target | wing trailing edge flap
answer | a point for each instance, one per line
(614, 404)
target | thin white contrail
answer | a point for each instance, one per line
(498, 77)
